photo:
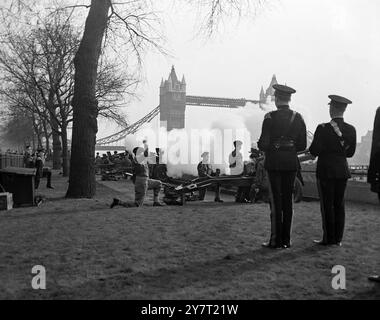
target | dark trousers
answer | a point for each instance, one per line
(241, 194)
(331, 194)
(281, 204)
(47, 174)
(202, 192)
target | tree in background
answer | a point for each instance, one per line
(133, 18)
(38, 77)
(135, 23)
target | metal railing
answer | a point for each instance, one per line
(11, 160)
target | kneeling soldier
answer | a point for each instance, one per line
(141, 181)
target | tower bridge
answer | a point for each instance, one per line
(172, 108)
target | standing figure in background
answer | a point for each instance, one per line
(283, 135)
(28, 158)
(109, 156)
(250, 170)
(160, 170)
(41, 171)
(205, 171)
(236, 162)
(333, 143)
(98, 162)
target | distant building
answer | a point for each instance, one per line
(173, 101)
(363, 151)
(267, 96)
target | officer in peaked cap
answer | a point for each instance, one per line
(374, 167)
(283, 135)
(333, 143)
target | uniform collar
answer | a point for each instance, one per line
(338, 119)
(285, 106)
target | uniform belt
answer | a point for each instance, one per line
(283, 144)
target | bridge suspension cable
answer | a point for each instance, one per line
(130, 129)
(133, 128)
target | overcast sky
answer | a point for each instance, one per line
(319, 47)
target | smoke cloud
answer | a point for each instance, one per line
(206, 130)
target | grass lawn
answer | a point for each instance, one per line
(200, 251)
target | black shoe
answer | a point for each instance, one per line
(374, 278)
(338, 244)
(157, 204)
(242, 201)
(287, 245)
(218, 200)
(114, 203)
(270, 246)
(320, 242)
(49, 187)
(266, 245)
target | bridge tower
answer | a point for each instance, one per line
(173, 101)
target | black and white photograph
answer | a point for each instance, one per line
(192, 156)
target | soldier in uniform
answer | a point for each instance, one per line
(236, 162)
(141, 181)
(28, 158)
(204, 171)
(283, 135)
(374, 167)
(41, 170)
(333, 143)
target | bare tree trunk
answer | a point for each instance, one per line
(82, 170)
(65, 163)
(57, 150)
(37, 130)
(57, 146)
(39, 139)
(47, 136)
